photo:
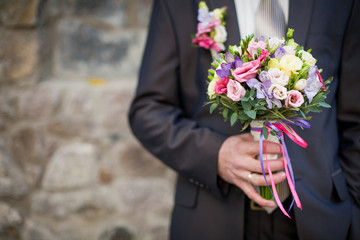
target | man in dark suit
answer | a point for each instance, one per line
(213, 160)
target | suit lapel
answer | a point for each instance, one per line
(299, 19)
(232, 26)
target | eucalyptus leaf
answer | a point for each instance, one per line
(233, 118)
(213, 107)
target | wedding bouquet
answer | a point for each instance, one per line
(268, 83)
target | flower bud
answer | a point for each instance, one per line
(300, 84)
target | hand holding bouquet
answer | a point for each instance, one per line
(272, 81)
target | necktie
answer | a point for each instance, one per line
(270, 22)
(269, 19)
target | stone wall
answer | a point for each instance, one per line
(69, 166)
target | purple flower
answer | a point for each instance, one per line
(313, 85)
(262, 39)
(238, 63)
(229, 57)
(264, 76)
(280, 51)
(224, 71)
(262, 91)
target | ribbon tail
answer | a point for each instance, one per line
(275, 194)
(289, 176)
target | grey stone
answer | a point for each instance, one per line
(112, 12)
(42, 101)
(12, 182)
(31, 145)
(115, 105)
(88, 50)
(72, 166)
(18, 55)
(92, 203)
(134, 161)
(18, 12)
(117, 233)
(10, 222)
(143, 194)
(34, 230)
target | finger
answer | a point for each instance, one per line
(259, 180)
(273, 148)
(250, 191)
(246, 137)
(254, 165)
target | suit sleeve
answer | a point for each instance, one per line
(349, 105)
(156, 116)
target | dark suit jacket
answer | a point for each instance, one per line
(169, 118)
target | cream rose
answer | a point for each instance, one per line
(300, 84)
(290, 64)
(278, 91)
(278, 77)
(220, 34)
(289, 50)
(211, 87)
(308, 58)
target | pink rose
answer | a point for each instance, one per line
(221, 85)
(235, 91)
(253, 47)
(203, 41)
(247, 71)
(294, 99)
(264, 54)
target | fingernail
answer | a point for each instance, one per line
(283, 175)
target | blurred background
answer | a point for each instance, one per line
(69, 166)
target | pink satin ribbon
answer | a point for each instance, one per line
(280, 129)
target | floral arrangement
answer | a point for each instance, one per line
(271, 80)
(211, 33)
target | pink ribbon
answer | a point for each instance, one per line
(280, 129)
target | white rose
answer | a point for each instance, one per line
(308, 58)
(274, 42)
(220, 34)
(278, 77)
(211, 87)
(278, 91)
(300, 84)
(289, 50)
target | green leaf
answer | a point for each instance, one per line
(252, 92)
(265, 132)
(214, 64)
(244, 99)
(242, 116)
(213, 107)
(246, 106)
(233, 118)
(260, 107)
(314, 109)
(225, 113)
(211, 71)
(251, 114)
(325, 105)
(302, 113)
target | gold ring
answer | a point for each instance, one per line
(249, 178)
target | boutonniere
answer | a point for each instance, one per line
(211, 33)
